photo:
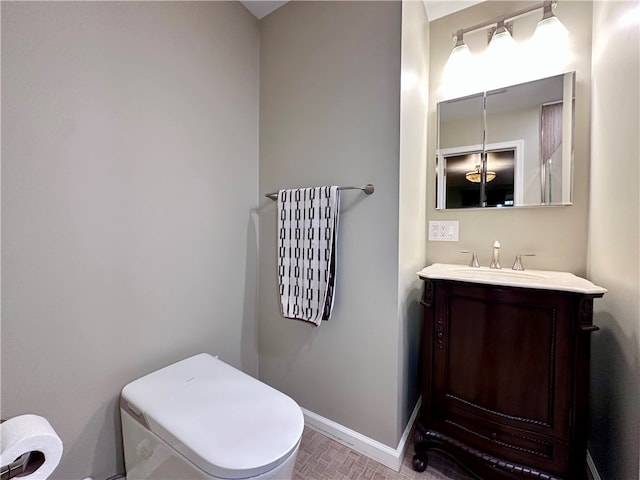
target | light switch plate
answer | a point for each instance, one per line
(444, 230)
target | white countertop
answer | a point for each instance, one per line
(539, 279)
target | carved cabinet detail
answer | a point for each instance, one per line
(505, 374)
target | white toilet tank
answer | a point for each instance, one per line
(203, 419)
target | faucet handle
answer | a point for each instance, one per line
(474, 259)
(518, 265)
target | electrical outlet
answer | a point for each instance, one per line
(443, 231)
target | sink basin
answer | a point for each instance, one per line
(539, 279)
(492, 274)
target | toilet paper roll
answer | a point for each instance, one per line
(30, 433)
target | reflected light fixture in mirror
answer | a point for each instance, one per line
(475, 176)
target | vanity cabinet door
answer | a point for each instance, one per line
(502, 364)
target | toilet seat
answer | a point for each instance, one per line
(222, 420)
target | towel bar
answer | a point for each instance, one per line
(368, 189)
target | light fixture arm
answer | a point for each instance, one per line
(547, 11)
(459, 40)
(546, 5)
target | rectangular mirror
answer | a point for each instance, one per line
(509, 147)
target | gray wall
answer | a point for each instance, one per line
(614, 240)
(329, 114)
(130, 165)
(557, 235)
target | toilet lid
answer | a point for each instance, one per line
(224, 421)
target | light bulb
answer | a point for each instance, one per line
(499, 60)
(548, 48)
(459, 61)
(501, 42)
(460, 65)
(551, 31)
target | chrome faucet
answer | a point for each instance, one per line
(474, 259)
(518, 265)
(495, 258)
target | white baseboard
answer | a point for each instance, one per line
(389, 457)
(593, 471)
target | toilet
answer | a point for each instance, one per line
(203, 419)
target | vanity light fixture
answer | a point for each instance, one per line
(460, 48)
(501, 35)
(501, 44)
(460, 61)
(550, 26)
(475, 176)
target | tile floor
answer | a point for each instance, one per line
(321, 458)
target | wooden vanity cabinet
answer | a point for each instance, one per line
(505, 377)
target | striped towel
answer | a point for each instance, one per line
(307, 233)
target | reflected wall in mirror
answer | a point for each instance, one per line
(509, 147)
